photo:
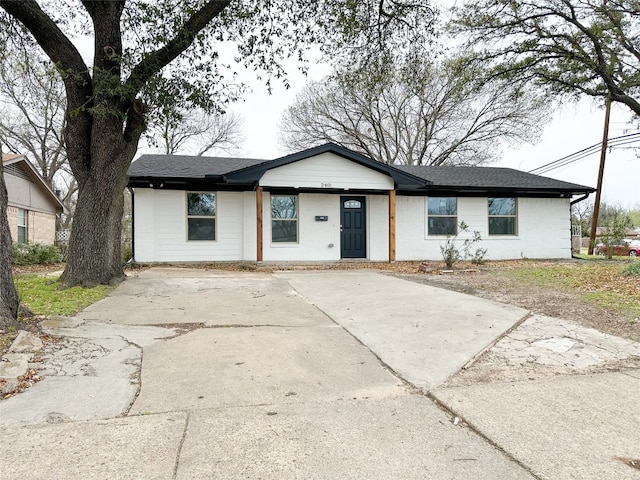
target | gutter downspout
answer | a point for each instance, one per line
(571, 204)
(578, 200)
(133, 227)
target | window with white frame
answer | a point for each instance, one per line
(201, 216)
(284, 218)
(23, 225)
(503, 216)
(442, 215)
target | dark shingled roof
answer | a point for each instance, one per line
(486, 177)
(184, 170)
(187, 166)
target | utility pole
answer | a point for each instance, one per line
(603, 156)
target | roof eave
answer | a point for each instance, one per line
(518, 191)
(255, 172)
(37, 178)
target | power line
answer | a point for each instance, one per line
(614, 142)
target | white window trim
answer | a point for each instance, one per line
(187, 217)
(438, 235)
(24, 218)
(516, 226)
(297, 220)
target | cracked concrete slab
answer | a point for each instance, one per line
(561, 427)
(403, 437)
(91, 372)
(140, 336)
(14, 364)
(542, 346)
(132, 448)
(425, 334)
(75, 398)
(215, 368)
(26, 342)
(207, 298)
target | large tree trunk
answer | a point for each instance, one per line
(95, 244)
(8, 294)
(104, 121)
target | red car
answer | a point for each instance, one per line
(631, 248)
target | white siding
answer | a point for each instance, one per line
(249, 226)
(161, 228)
(314, 238)
(320, 241)
(144, 223)
(378, 228)
(326, 171)
(544, 229)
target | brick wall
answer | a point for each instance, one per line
(41, 227)
(12, 218)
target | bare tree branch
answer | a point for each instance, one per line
(435, 115)
(32, 119)
(196, 132)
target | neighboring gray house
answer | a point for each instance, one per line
(329, 203)
(32, 208)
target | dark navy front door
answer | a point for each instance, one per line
(353, 241)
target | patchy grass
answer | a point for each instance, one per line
(602, 283)
(43, 295)
(596, 294)
(619, 258)
(632, 270)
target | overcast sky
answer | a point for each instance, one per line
(573, 127)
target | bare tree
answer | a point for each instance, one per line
(421, 114)
(32, 121)
(8, 294)
(196, 132)
(582, 214)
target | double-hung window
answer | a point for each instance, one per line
(442, 216)
(503, 216)
(284, 218)
(201, 216)
(23, 226)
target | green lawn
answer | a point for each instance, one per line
(43, 295)
(602, 283)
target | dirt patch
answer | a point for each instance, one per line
(491, 283)
(491, 368)
(37, 269)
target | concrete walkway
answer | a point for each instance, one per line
(191, 374)
(425, 334)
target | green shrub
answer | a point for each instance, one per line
(35, 253)
(632, 270)
(127, 252)
(451, 253)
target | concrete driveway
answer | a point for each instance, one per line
(193, 374)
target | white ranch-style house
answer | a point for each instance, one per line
(329, 203)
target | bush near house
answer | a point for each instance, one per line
(35, 253)
(451, 252)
